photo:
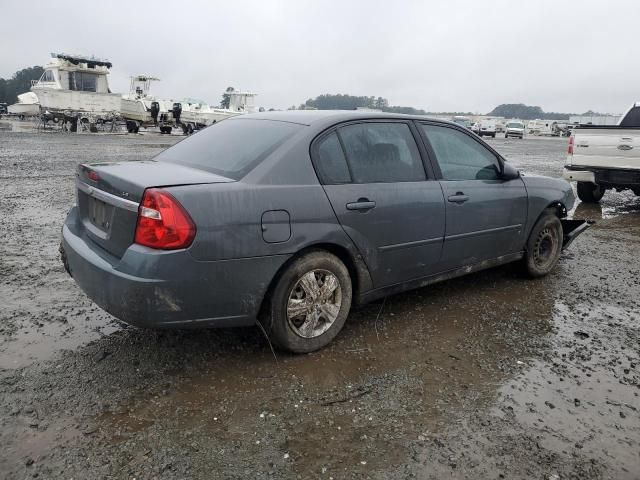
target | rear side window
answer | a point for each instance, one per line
(330, 161)
(459, 156)
(631, 119)
(230, 148)
(382, 152)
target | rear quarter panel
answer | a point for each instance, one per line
(229, 218)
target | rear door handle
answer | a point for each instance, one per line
(458, 198)
(363, 204)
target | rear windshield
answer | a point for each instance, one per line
(230, 148)
(515, 125)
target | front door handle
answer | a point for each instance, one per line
(363, 204)
(458, 198)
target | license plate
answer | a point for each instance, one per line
(99, 213)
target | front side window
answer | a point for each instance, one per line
(330, 161)
(459, 156)
(382, 152)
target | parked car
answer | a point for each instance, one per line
(487, 128)
(605, 157)
(462, 121)
(475, 128)
(290, 218)
(514, 129)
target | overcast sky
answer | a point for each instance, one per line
(439, 56)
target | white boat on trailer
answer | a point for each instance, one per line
(195, 114)
(76, 89)
(27, 105)
(140, 108)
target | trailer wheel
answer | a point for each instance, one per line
(590, 192)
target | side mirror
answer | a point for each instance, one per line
(509, 172)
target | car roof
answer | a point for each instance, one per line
(311, 117)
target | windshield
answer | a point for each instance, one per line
(230, 148)
(515, 125)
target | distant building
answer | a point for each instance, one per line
(367, 109)
(594, 119)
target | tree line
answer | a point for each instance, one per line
(340, 101)
(19, 83)
(526, 112)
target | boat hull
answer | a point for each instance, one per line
(24, 109)
(204, 118)
(135, 110)
(55, 100)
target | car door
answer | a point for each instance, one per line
(375, 179)
(485, 215)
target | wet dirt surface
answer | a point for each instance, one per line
(487, 376)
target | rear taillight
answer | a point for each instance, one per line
(570, 149)
(162, 222)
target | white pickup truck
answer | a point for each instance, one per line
(605, 157)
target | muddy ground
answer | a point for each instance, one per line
(488, 376)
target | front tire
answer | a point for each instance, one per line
(590, 192)
(544, 245)
(310, 303)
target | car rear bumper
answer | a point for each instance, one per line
(150, 288)
(578, 176)
(607, 177)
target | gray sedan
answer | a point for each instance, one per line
(290, 218)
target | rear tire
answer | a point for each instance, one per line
(544, 245)
(310, 303)
(590, 192)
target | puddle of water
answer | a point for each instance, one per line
(622, 204)
(41, 322)
(587, 391)
(30, 344)
(36, 441)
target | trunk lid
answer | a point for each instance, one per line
(108, 196)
